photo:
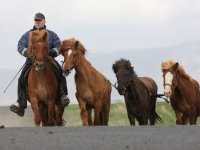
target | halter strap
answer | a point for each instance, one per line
(39, 41)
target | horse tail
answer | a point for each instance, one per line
(158, 118)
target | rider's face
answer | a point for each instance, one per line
(39, 23)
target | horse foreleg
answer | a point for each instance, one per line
(83, 112)
(35, 108)
(43, 113)
(51, 112)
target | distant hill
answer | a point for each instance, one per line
(146, 62)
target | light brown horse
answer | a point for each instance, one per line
(42, 83)
(183, 92)
(93, 88)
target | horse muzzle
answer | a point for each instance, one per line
(121, 91)
(39, 66)
(167, 91)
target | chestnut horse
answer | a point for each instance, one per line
(183, 92)
(42, 83)
(139, 93)
(93, 89)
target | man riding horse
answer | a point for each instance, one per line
(53, 44)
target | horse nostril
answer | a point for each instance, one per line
(42, 65)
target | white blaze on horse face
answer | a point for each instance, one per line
(168, 83)
(69, 52)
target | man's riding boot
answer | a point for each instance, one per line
(64, 92)
(19, 106)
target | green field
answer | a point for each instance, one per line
(118, 114)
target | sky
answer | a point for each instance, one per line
(103, 26)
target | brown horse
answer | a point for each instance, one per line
(42, 82)
(139, 93)
(183, 92)
(93, 89)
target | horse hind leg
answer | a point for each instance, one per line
(143, 119)
(97, 110)
(90, 122)
(152, 119)
(192, 116)
(58, 116)
(104, 114)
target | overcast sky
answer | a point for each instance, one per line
(101, 25)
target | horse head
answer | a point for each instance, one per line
(124, 73)
(38, 50)
(169, 70)
(72, 50)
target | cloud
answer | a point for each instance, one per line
(103, 25)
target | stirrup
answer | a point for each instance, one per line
(65, 100)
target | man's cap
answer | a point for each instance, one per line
(39, 16)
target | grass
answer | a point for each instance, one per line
(118, 115)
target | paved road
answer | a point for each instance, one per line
(101, 138)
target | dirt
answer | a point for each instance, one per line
(10, 119)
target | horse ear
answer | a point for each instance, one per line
(114, 67)
(176, 66)
(77, 44)
(45, 35)
(31, 37)
(129, 64)
(80, 47)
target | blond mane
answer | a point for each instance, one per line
(71, 43)
(181, 70)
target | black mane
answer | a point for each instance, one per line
(123, 64)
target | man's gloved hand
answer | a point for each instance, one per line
(54, 52)
(25, 52)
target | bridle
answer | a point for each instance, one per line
(124, 84)
(172, 86)
(34, 60)
(76, 61)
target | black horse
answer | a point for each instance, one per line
(140, 93)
